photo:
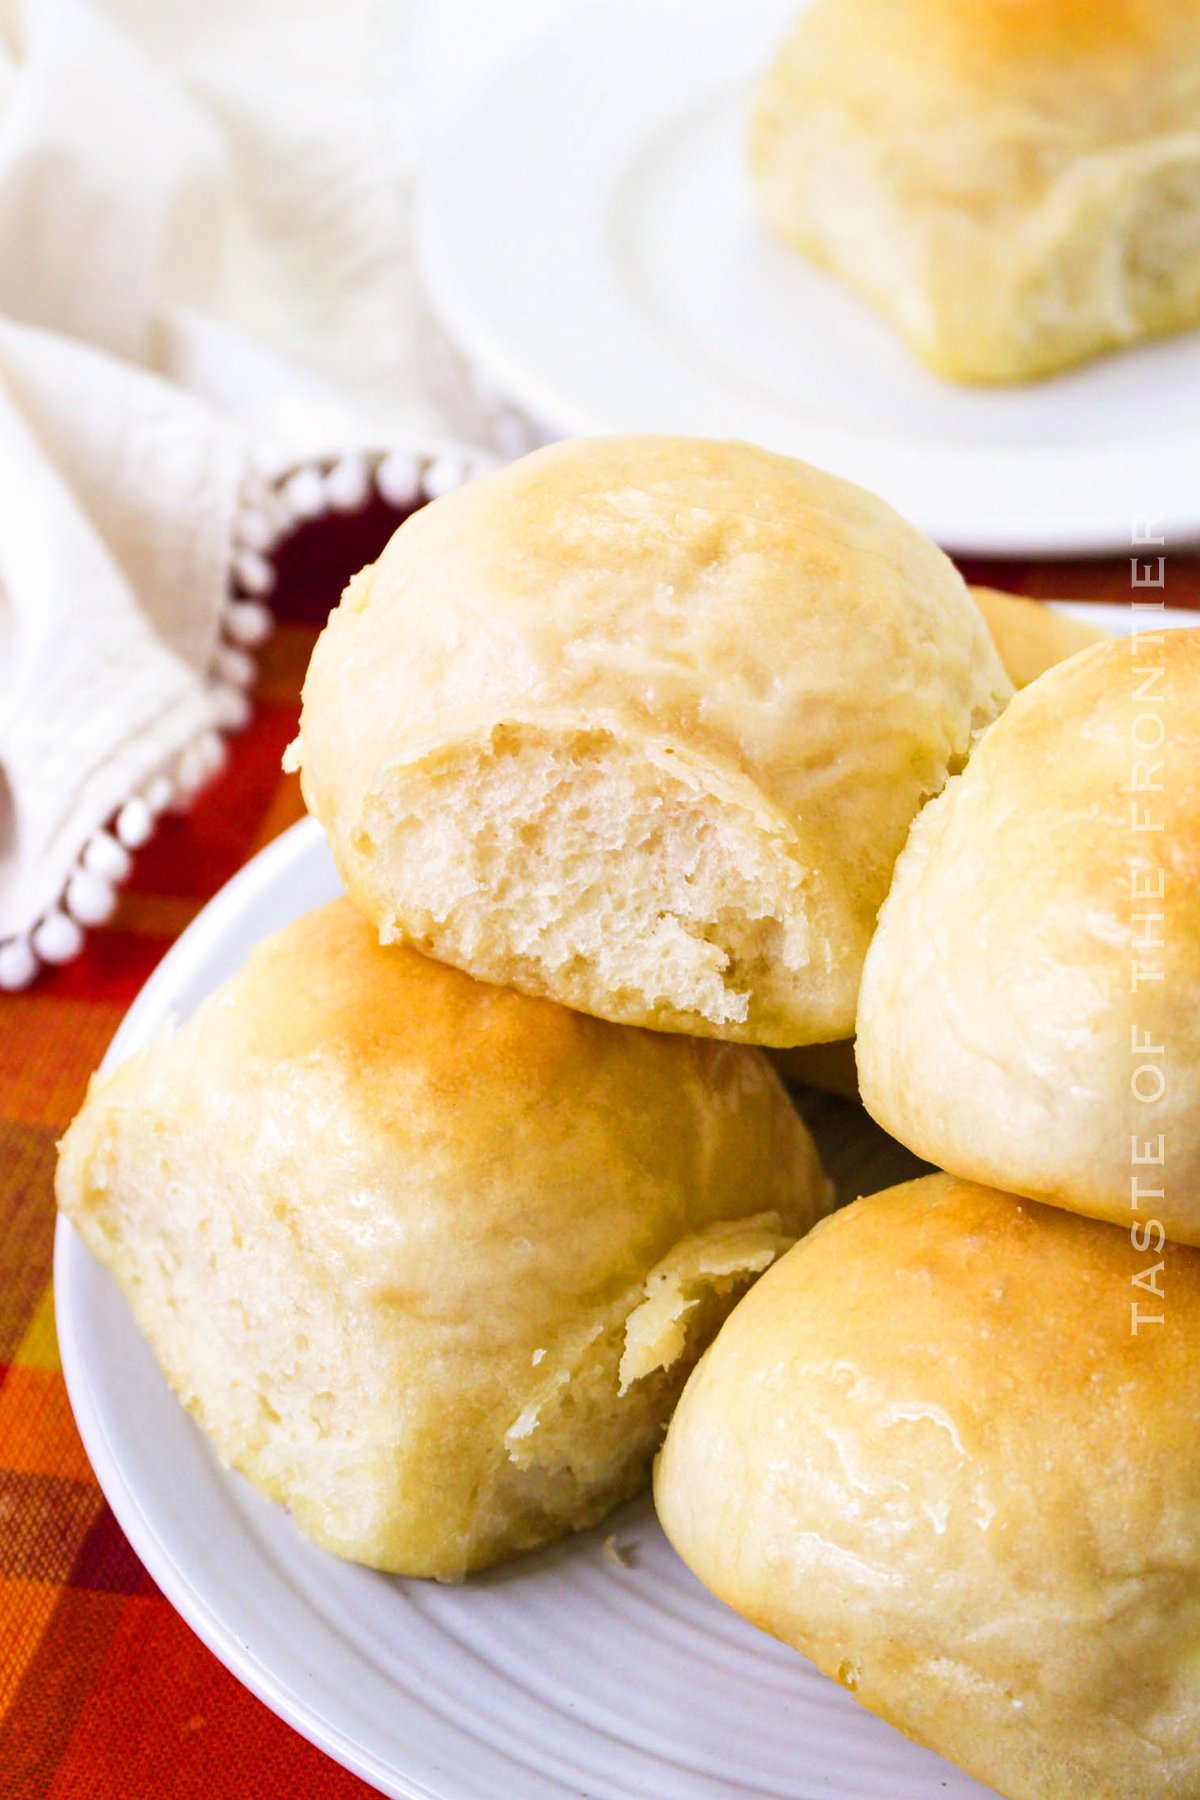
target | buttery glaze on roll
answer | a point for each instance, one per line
(427, 1260)
(1015, 184)
(1030, 637)
(640, 724)
(928, 1451)
(1030, 1008)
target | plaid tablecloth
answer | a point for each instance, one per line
(104, 1693)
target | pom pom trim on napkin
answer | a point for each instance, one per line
(271, 507)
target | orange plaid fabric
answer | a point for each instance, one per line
(104, 1693)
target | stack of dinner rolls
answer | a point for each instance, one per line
(432, 1210)
(948, 1447)
(425, 1227)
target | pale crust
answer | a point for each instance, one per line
(1030, 637)
(774, 645)
(1014, 183)
(927, 1451)
(998, 1013)
(428, 1260)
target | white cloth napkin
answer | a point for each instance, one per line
(206, 273)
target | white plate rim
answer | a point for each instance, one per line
(966, 528)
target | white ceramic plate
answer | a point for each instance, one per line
(559, 1675)
(588, 231)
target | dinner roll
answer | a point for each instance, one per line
(1030, 1011)
(929, 1452)
(1030, 635)
(1014, 183)
(428, 1260)
(640, 724)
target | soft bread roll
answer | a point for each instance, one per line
(1030, 1010)
(928, 1451)
(428, 1260)
(1031, 636)
(640, 724)
(1014, 183)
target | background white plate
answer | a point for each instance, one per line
(589, 234)
(558, 1675)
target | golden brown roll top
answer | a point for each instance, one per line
(1030, 635)
(929, 1452)
(640, 724)
(1014, 183)
(1030, 1008)
(429, 1260)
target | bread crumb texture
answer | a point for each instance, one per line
(640, 724)
(429, 1261)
